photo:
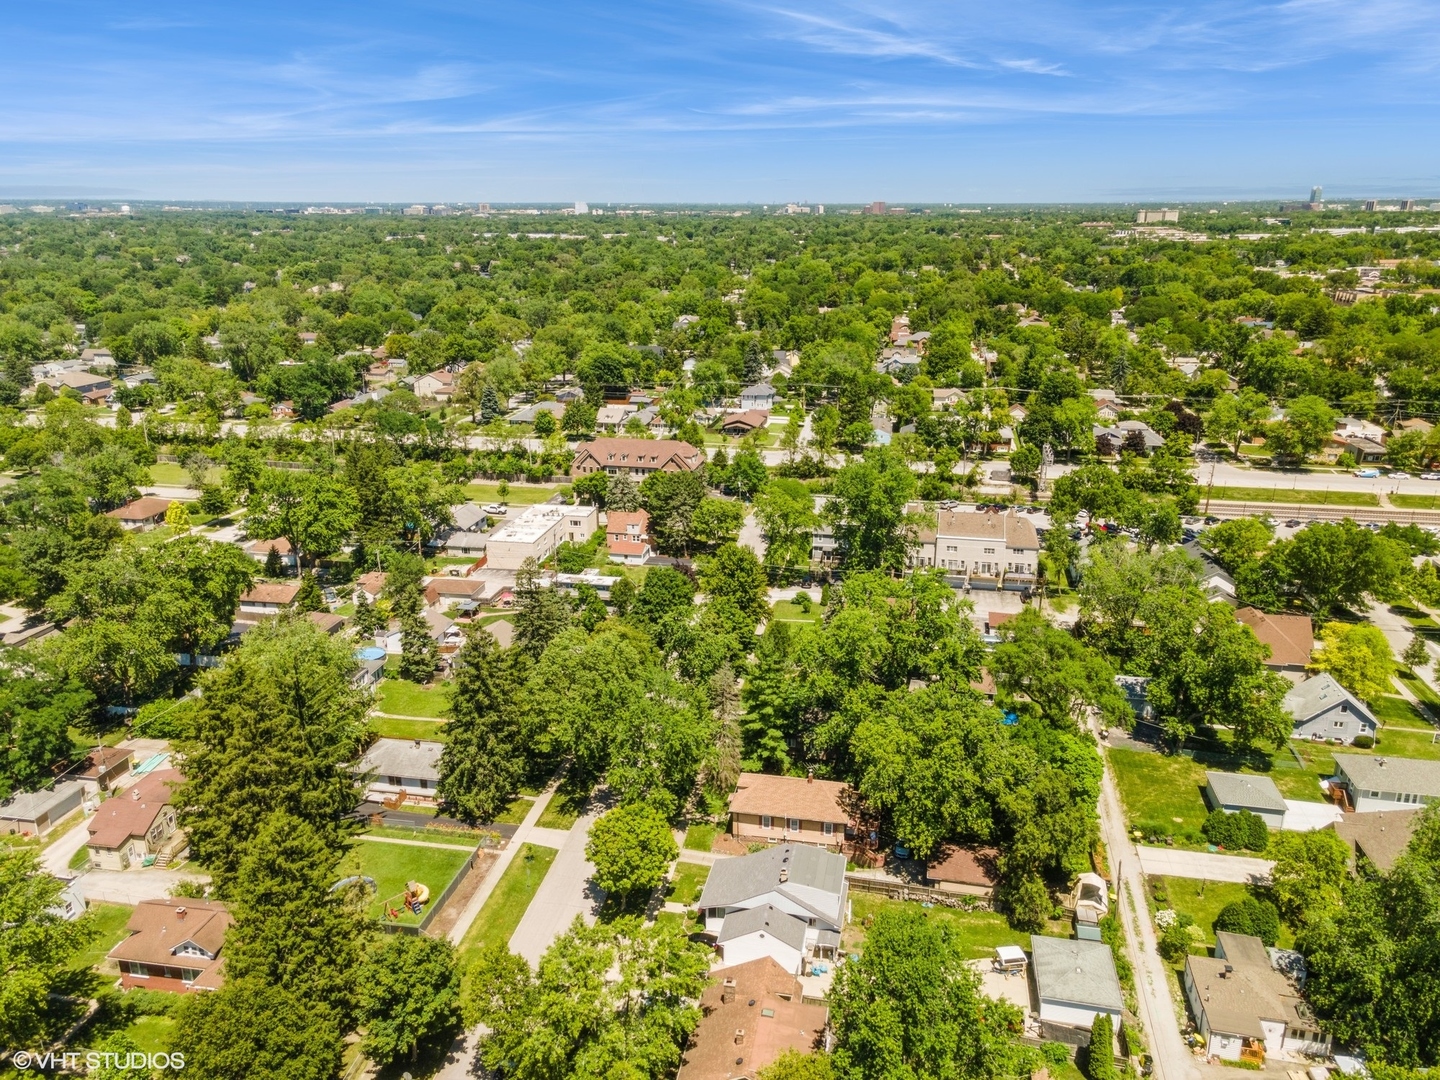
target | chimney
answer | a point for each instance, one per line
(727, 991)
(135, 793)
(739, 1036)
(784, 874)
(809, 776)
(180, 913)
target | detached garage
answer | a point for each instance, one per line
(1233, 792)
(1075, 981)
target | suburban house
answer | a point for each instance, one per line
(969, 871)
(627, 536)
(946, 397)
(743, 423)
(530, 413)
(1290, 637)
(327, 622)
(103, 768)
(637, 457)
(1075, 981)
(34, 813)
(796, 882)
(1323, 709)
(443, 592)
(981, 550)
(1233, 792)
(1374, 783)
(442, 629)
(174, 944)
(371, 584)
(436, 384)
(788, 808)
(759, 396)
(268, 598)
(537, 532)
(1117, 434)
(1244, 1009)
(137, 824)
(1214, 581)
(259, 550)
(143, 513)
(750, 1015)
(1378, 838)
(82, 382)
(401, 771)
(613, 417)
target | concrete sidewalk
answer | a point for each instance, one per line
(522, 835)
(1204, 866)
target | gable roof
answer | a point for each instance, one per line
(33, 805)
(965, 866)
(141, 509)
(760, 389)
(1239, 987)
(262, 547)
(159, 928)
(789, 796)
(618, 522)
(1013, 530)
(1315, 695)
(1378, 772)
(750, 419)
(733, 881)
(1078, 972)
(651, 453)
(271, 593)
(764, 919)
(134, 810)
(413, 758)
(1290, 637)
(751, 1014)
(1249, 792)
(1381, 836)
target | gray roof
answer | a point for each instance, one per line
(414, 759)
(1315, 695)
(1378, 772)
(764, 919)
(760, 389)
(30, 805)
(467, 515)
(1210, 569)
(1079, 972)
(733, 881)
(528, 414)
(1250, 792)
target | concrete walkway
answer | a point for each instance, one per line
(1204, 865)
(411, 843)
(566, 892)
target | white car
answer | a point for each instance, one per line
(494, 509)
(1430, 476)
(1399, 476)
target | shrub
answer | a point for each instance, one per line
(1174, 943)
(1055, 1054)
(1364, 742)
(1258, 918)
(165, 718)
(1239, 830)
(1100, 1058)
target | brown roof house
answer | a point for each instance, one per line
(1379, 838)
(788, 808)
(268, 598)
(259, 550)
(636, 457)
(1290, 637)
(627, 537)
(137, 824)
(743, 423)
(752, 1013)
(969, 871)
(102, 767)
(174, 944)
(143, 513)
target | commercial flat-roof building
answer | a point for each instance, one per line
(537, 532)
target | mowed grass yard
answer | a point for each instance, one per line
(401, 697)
(979, 932)
(1202, 901)
(687, 882)
(1294, 496)
(518, 494)
(392, 865)
(505, 907)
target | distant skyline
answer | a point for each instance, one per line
(1039, 100)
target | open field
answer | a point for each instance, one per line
(485, 493)
(392, 865)
(505, 907)
(979, 931)
(1292, 496)
(405, 698)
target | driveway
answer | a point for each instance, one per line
(1204, 866)
(567, 891)
(56, 858)
(132, 886)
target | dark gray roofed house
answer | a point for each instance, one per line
(1075, 981)
(1233, 792)
(1382, 782)
(1324, 710)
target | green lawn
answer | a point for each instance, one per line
(515, 813)
(1397, 710)
(392, 865)
(1411, 744)
(979, 931)
(519, 494)
(152, 1034)
(502, 912)
(686, 883)
(404, 698)
(169, 474)
(1416, 502)
(1202, 901)
(466, 838)
(563, 809)
(699, 837)
(1161, 791)
(80, 860)
(1420, 688)
(392, 727)
(788, 611)
(1293, 496)
(109, 921)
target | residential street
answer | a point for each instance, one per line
(1204, 866)
(1155, 1007)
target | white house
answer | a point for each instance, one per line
(436, 384)
(1323, 709)
(796, 882)
(990, 551)
(759, 396)
(442, 628)
(1244, 1008)
(1075, 981)
(268, 598)
(1376, 782)
(395, 767)
(259, 550)
(537, 532)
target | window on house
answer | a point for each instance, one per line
(765, 821)
(828, 828)
(989, 551)
(793, 824)
(1339, 723)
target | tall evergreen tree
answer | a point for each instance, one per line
(368, 620)
(309, 598)
(273, 566)
(541, 614)
(490, 408)
(482, 762)
(419, 652)
(622, 494)
(722, 768)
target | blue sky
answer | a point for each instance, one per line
(721, 101)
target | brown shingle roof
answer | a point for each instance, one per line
(142, 509)
(1381, 836)
(750, 1022)
(271, 593)
(262, 547)
(159, 927)
(618, 523)
(132, 811)
(1290, 637)
(965, 866)
(102, 759)
(789, 796)
(1013, 530)
(639, 454)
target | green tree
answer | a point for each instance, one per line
(1309, 874)
(274, 568)
(1358, 656)
(36, 944)
(39, 701)
(1252, 916)
(671, 499)
(276, 730)
(733, 574)
(250, 1028)
(867, 511)
(632, 847)
(309, 598)
(747, 473)
(315, 512)
(794, 1065)
(541, 614)
(1239, 541)
(177, 515)
(621, 494)
(1025, 463)
(367, 621)
(1416, 656)
(785, 510)
(716, 522)
(482, 762)
(1328, 564)
(1060, 674)
(409, 997)
(1100, 1052)
(419, 652)
(911, 1006)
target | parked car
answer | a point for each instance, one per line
(1399, 476)
(1430, 476)
(494, 509)
(1367, 474)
